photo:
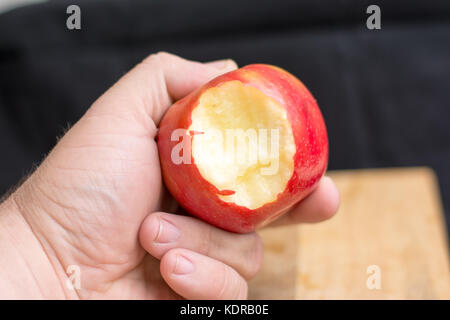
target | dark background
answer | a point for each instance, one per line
(384, 93)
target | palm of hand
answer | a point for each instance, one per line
(115, 173)
(103, 178)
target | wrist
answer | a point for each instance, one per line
(26, 268)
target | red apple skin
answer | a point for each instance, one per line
(199, 197)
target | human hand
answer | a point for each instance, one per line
(97, 202)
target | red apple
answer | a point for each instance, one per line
(280, 154)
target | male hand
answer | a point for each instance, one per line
(98, 202)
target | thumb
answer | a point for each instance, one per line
(85, 182)
(148, 90)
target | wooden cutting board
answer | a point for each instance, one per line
(388, 241)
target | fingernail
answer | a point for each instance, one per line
(167, 232)
(183, 266)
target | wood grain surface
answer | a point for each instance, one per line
(388, 241)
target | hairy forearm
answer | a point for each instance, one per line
(26, 271)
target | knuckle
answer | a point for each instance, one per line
(157, 57)
(163, 54)
(149, 60)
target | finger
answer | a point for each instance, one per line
(151, 87)
(195, 276)
(183, 76)
(320, 205)
(223, 64)
(161, 232)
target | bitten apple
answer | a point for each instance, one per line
(244, 148)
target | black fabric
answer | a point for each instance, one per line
(384, 93)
